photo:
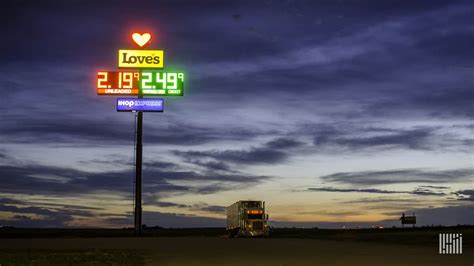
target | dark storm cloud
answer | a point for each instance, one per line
(31, 214)
(214, 209)
(355, 137)
(61, 216)
(194, 207)
(165, 204)
(168, 220)
(329, 138)
(369, 190)
(402, 89)
(84, 119)
(467, 194)
(105, 22)
(48, 204)
(4, 156)
(43, 211)
(322, 46)
(361, 46)
(9, 201)
(252, 156)
(57, 181)
(417, 191)
(40, 179)
(283, 143)
(188, 134)
(444, 102)
(89, 131)
(190, 176)
(44, 131)
(411, 139)
(426, 192)
(273, 152)
(124, 161)
(434, 187)
(394, 205)
(212, 165)
(58, 221)
(401, 176)
(415, 139)
(383, 200)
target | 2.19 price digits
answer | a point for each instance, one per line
(117, 83)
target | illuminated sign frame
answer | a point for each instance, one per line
(161, 83)
(118, 83)
(140, 59)
(139, 104)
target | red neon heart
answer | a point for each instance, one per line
(141, 39)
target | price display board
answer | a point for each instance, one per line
(161, 83)
(118, 82)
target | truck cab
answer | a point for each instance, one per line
(247, 218)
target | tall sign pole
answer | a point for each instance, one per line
(144, 77)
(138, 174)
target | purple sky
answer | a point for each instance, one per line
(333, 112)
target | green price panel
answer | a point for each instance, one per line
(161, 83)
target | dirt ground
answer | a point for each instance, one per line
(225, 251)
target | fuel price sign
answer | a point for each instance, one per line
(118, 82)
(160, 83)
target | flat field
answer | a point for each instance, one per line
(349, 248)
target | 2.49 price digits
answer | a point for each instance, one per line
(161, 83)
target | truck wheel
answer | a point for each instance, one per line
(232, 233)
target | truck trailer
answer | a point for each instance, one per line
(247, 218)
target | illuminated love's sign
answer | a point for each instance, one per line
(141, 73)
(140, 58)
(141, 39)
(118, 82)
(161, 83)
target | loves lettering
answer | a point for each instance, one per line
(140, 59)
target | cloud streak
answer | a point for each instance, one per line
(418, 191)
(272, 152)
(401, 176)
(67, 181)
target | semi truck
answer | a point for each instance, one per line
(247, 218)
